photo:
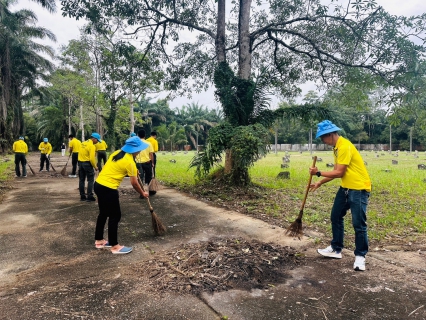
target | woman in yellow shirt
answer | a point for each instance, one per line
(120, 164)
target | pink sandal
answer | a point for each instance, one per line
(104, 244)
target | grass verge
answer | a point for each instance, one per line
(396, 211)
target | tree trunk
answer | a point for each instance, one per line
(220, 32)
(132, 114)
(81, 122)
(244, 59)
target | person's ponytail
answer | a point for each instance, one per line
(118, 156)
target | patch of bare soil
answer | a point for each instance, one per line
(219, 265)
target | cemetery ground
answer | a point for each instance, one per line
(225, 254)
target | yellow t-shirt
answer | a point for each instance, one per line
(143, 156)
(45, 148)
(87, 152)
(101, 146)
(20, 146)
(75, 144)
(356, 176)
(114, 171)
(154, 143)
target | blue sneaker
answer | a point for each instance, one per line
(123, 250)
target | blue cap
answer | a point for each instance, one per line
(96, 136)
(325, 127)
(133, 134)
(134, 144)
(21, 138)
(45, 140)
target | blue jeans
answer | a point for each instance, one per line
(356, 201)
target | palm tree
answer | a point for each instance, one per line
(20, 64)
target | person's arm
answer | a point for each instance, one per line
(338, 172)
(92, 157)
(135, 184)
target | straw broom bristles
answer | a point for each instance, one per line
(157, 225)
(153, 184)
(296, 228)
(64, 169)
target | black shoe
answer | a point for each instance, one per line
(90, 199)
(83, 198)
(152, 193)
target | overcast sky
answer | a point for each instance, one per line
(67, 29)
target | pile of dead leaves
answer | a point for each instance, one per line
(218, 265)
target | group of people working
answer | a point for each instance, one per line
(137, 156)
(137, 153)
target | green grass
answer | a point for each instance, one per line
(396, 211)
(6, 168)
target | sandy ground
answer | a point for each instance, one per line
(49, 268)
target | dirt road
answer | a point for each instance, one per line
(49, 268)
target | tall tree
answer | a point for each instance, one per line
(277, 46)
(21, 64)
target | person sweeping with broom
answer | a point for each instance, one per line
(352, 195)
(120, 164)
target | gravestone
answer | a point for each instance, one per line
(284, 175)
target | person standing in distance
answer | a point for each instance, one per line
(153, 140)
(101, 147)
(144, 161)
(74, 147)
(352, 195)
(21, 149)
(63, 149)
(46, 149)
(87, 166)
(120, 164)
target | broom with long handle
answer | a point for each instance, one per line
(51, 165)
(157, 225)
(153, 184)
(296, 228)
(31, 169)
(64, 169)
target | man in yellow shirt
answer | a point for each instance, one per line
(74, 146)
(21, 149)
(153, 140)
(352, 195)
(87, 166)
(101, 147)
(46, 149)
(144, 160)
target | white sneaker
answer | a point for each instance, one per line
(359, 264)
(330, 252)
(72, 176)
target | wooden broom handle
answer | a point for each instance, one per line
(141, 184)
(309, 184)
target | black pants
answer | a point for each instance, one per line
(101, 156)
(155, 164)
(145, 171)
(20, 160)
(109, 208)
(74, 161)
(44, 158)
(86, 171)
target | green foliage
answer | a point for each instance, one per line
(246, 145)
